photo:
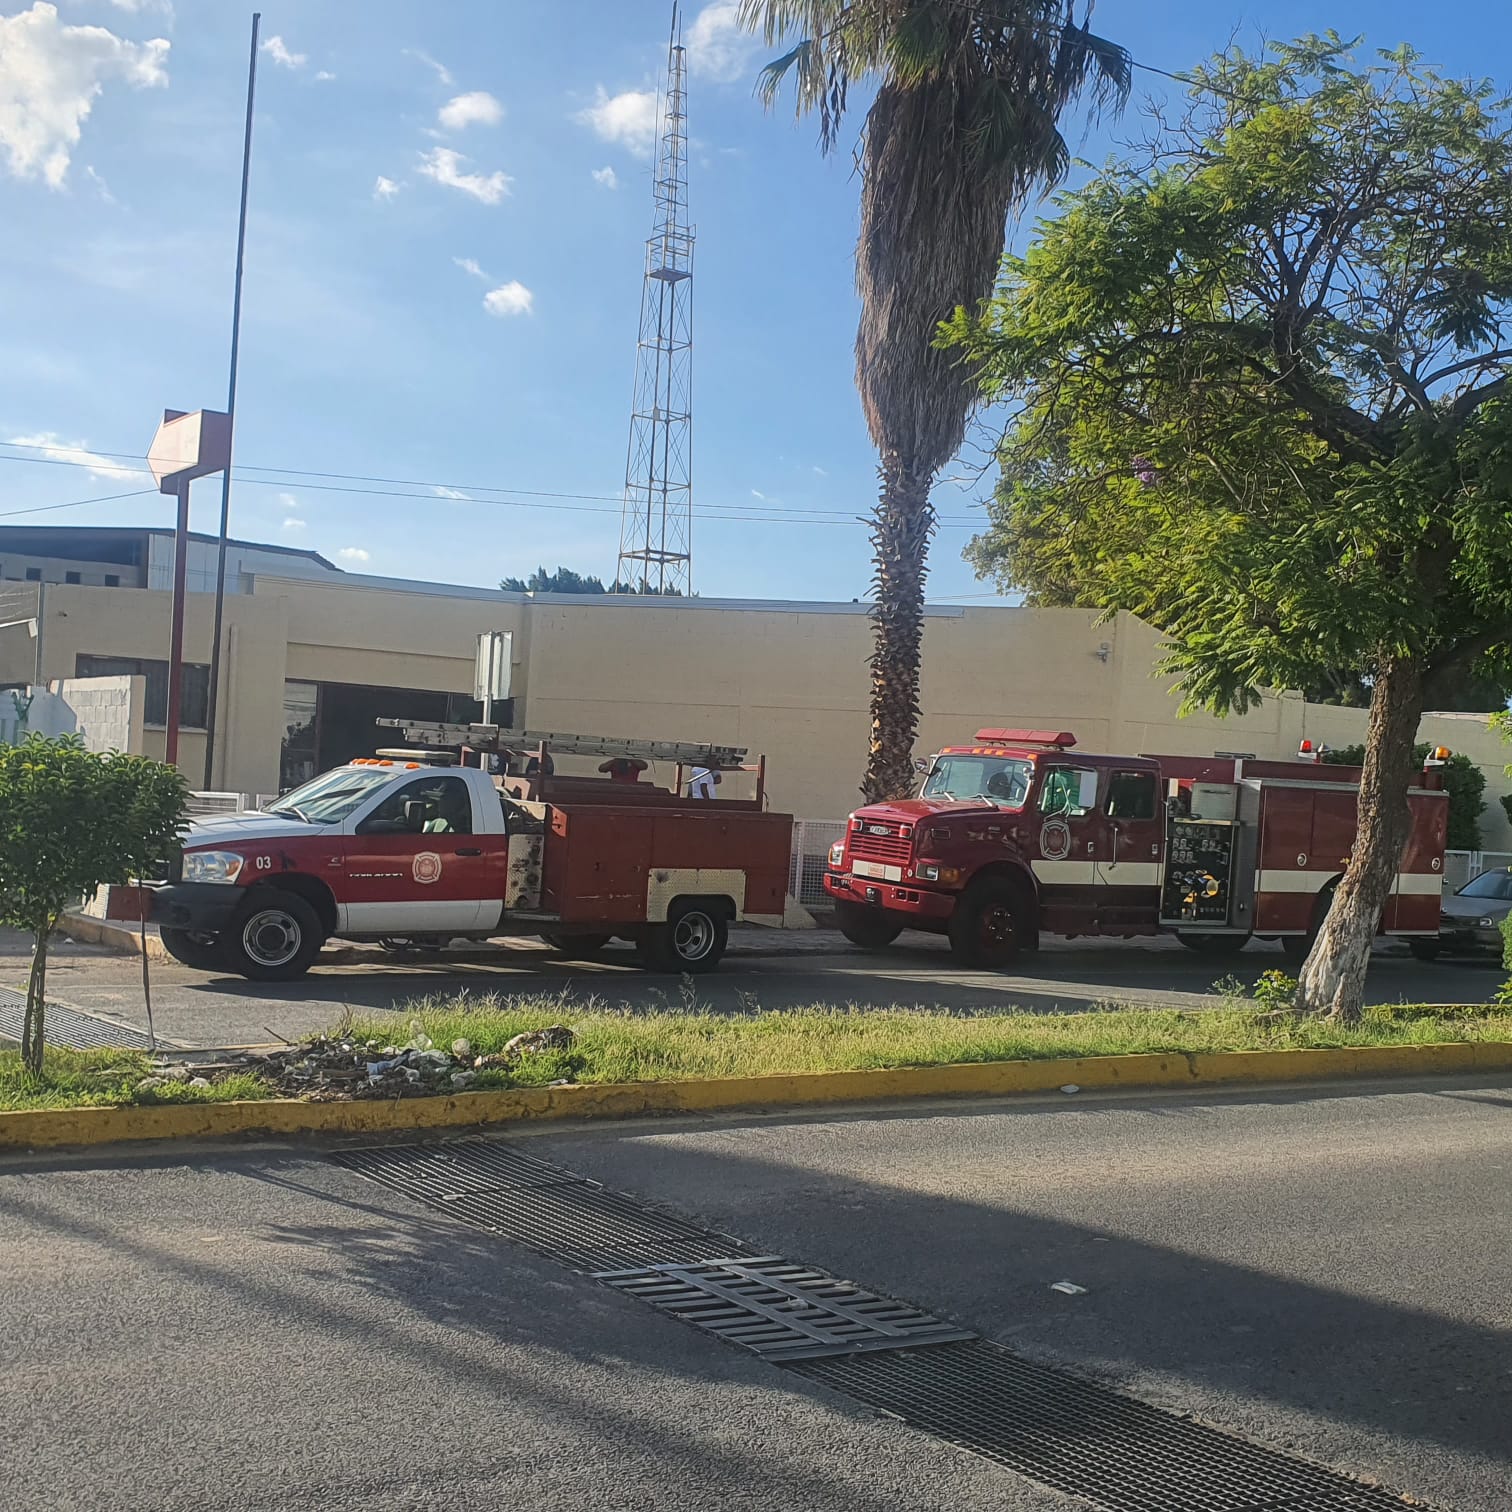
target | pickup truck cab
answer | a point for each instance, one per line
(416, 852)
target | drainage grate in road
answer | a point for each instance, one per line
(1120, 1453)
(557, 1213)
(69, 1027)
(780, 1310)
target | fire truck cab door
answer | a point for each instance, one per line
(419, 860)
(1131, 875)
(1074, 840)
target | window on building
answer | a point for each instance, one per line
(112, 579)
(73, 577)
(33, 574)
(298, 760)
(194, 690)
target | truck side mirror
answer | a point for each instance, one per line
(920, 765)
(1086, 796)
(414, 815)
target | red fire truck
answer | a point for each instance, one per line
(414, 847)
(1019, 834)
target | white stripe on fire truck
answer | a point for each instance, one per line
(1098, 873)
(1408, 884)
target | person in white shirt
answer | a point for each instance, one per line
(702, 783)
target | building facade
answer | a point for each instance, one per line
(314, 655)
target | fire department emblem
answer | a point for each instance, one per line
(1055, 840)
(427, 867)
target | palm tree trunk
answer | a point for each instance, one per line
(1333, 977)
(900, 532)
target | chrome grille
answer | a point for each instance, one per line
(893, 848)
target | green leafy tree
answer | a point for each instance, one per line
(1464, 782)
(1263, 376)
(71, 822)
(565, 580)
(964, 126)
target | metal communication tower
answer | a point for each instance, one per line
(656, 524)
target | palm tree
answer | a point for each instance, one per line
(963, 127)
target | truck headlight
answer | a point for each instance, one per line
(212, 866)
(1490, 923)
(837, 855)
(927, 871)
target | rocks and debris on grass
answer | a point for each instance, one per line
(337, 1068)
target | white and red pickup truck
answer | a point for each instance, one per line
(409, 849)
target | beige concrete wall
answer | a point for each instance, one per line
(789, 680)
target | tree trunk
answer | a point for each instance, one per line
(32, 1026)
(900, 532)
(1333, 977)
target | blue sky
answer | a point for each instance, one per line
(449, 205)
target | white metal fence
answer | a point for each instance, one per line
(204, 805)
(1461, 866)
(812, 839)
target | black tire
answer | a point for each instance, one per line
(988, 928)
(693, 939)
(200, 951)
(577, 947)
(274, 937)
(1213, 945)
(1425, 950)
(868, 928)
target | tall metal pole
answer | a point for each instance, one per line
(176, 635)
(225, 516)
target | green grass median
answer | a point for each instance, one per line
(610, 1046)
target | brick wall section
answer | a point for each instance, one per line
(108, 711)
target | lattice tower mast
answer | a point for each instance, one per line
(656, 523)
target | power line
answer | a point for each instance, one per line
(764, 514)
(138, 493)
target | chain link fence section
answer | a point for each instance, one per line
(812, 839)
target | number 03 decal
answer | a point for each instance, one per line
(264, 863)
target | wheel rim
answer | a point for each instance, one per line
(693, 936)
(272, 937)
(996, 928)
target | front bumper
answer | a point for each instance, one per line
(1463, 937)
(894, 897)
(200, 907)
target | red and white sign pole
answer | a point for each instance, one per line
(186, 447)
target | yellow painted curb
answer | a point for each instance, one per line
(91, 1126)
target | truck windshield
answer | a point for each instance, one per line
(1005, 783)
(329, 798)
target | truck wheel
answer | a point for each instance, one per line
(274, 937)
(867, 927)
(577, 947)
(693, 939)
(987, 928)
(1213, 944)
(202, 952)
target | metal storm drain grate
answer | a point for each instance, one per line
(564, 1216)
(780, 1310)
(1117, 1452)
(69, 1027)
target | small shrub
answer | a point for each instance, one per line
(1275, 990)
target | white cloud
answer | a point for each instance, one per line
(756, 493)
(50, 444)
(101, 187)
(819, 472)
(385, 188)
(606, 178)
(470, 265)
(324, 76)
(292, 523)
(442, 71)
(50, 77)
(630, 119)
(354, 554)
(718, 47)
(479, 108)
(443, 492)
(277, 49)
(445, 166)
(512, 298)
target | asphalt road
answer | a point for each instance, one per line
(763, 970)
(1325, 1270)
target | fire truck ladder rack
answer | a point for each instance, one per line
(487, 737)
